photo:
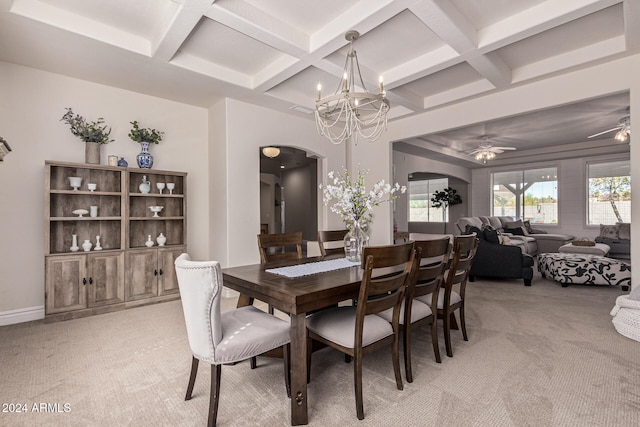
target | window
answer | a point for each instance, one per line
(420, 193)
(529, 194)
(608, 192)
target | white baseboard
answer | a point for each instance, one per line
(21, 315)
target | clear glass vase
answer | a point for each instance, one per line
(354, 241)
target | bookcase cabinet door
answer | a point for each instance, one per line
(167, 281)
(65, 290)
(106, 277)
(141, 279)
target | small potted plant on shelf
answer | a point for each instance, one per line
(93, 133)
(145, 136)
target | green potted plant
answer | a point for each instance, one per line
(443, 199)
(93, 133)
(145, 136)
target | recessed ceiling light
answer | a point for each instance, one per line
(281, 166)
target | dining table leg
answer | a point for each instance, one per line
(298, 360)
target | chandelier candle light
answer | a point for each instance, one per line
(347, 112)
(354, 204)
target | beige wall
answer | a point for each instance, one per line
(32, 104)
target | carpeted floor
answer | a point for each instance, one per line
(536, 356)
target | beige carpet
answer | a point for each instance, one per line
(537, 356)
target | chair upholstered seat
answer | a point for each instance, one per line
(455, 298)
(337, 325)
(221, 338)
(248, 331)
(419, 310)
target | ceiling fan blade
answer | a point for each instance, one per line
(605, 131)
(504, 148)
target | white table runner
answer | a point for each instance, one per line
(313, 268)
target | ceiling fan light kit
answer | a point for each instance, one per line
(350, 113)
(486, 151)
(623, 130)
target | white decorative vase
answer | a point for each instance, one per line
(161, 239)
(354, 241)
(86, 246)
(149, 242)
(74, 243)
(97, 247)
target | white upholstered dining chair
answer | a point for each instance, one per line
(222, 338)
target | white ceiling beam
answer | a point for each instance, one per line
(421, 66)
(178, 28)
(631, 10)
(492, 68)
(566, 60)
(260, 26)
(50, 15)
(446, 21)
(535, 20)
(207, 68)
(458, 93)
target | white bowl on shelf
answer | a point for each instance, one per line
(75, 182)
(80, 212)
(155, 210)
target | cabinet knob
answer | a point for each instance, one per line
(91, 280)
(84, 280)
(155, 272)
(161, 272)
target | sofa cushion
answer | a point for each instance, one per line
(624, 230)
(469, 220)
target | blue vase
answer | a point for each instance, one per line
(122, 162)
(145, 159)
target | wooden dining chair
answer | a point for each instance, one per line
(351, 329)
(279, 247)
(432, 257)
(449, 300)
(223, 338)
(327, 241)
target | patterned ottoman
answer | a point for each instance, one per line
(584, 269)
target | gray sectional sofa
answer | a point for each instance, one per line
(532, 241)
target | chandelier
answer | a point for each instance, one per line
(349, 113)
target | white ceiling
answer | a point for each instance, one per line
(274, 53)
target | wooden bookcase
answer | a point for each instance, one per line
(125, 273)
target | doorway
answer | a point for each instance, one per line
(288, 193)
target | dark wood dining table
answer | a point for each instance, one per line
(296, 296)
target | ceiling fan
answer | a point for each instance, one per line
(623, 128)
(486, 150)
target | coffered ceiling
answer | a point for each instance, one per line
(274, 53)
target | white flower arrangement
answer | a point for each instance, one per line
(352, 200)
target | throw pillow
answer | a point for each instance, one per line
(506, 240)
(514, 224)
(624, 230)
(527, 226)
(517, 231)
(609, 231)
(492, 236)
(470, 229)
